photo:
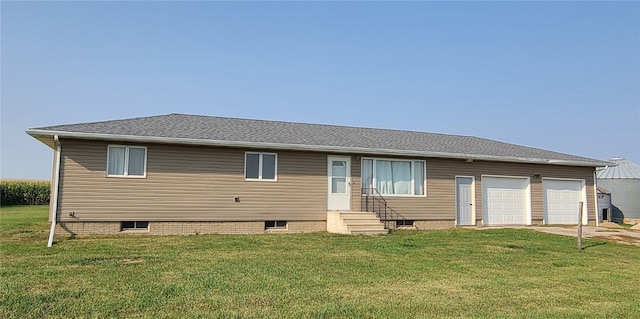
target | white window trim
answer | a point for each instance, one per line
(126, 161)
(413, 163)
(275, 171)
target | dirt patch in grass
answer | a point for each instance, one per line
(622, 239)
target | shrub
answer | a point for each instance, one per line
(24, 192)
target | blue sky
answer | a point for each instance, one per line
(563, 76)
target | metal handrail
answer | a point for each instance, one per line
(374, 202)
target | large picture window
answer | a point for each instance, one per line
(394, 177)
(260, 166)
(127, 161)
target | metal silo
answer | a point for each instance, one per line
(623, 182)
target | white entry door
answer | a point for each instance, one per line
(464, 201)
(339, 182)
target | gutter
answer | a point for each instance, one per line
(304, 147)
(56, 182)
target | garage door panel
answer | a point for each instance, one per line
(562, 199)
(505, 200)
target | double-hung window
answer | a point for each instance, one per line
(130, 161)
(394, 176)
(260, 166)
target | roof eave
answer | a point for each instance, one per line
(36, 133)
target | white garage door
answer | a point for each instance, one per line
(561, 198)
(505, 200)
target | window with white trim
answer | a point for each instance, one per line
(394, 176)
(126, 161)
(260, 166)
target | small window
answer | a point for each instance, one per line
(260, 166)
(128, 161)
(134, 225)
(275, 224)
(404, 223)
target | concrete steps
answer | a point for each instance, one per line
(355, 223)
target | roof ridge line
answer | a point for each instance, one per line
(329, 125)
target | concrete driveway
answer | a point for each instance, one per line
(620, 235)
(607, 231)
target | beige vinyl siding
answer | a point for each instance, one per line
(440, 202)
(198, 183)
(189, 183)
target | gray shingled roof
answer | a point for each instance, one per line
(625, 169)
(209, 130)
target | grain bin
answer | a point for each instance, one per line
(623, 182)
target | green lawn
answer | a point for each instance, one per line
(499, 273)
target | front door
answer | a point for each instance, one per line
(339, 182)
(464, 201)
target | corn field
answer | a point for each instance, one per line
(24, 192)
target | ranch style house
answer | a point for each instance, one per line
(189, 174)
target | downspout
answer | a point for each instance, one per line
(595, 196)
(56, 181)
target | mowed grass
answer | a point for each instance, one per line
(501, 273)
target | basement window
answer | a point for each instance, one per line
(275, 224)
(134, 225)
(404, 223)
